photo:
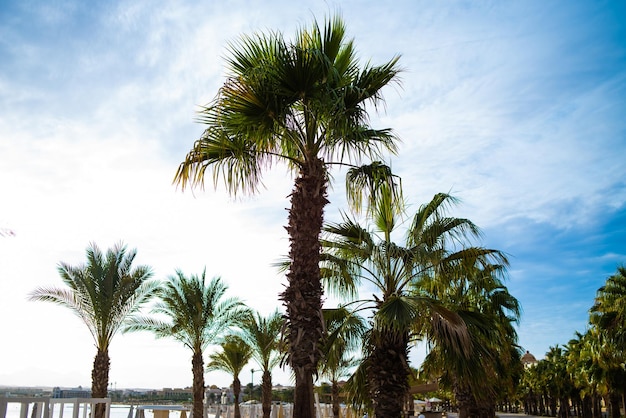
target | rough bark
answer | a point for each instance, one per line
(464, 400)
(266, 387)
(469, 406)
(303, 294)
(388, 373)
(100, 380)
(197, 368)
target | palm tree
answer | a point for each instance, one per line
(105, 293)
(232, 359)
(489, 311)
(263, 337)
(608, 316)
(302, 103)
(435, 243)
(344, 332)
(198, 315)
(609, 309)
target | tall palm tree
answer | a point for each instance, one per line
(232, 359)
(302, 103)
(198, 314)
(434, 243)
(262, 334)
(104, 293)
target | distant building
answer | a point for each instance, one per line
(528, 360)
(176, 394)
(280, 388)
(78, 392)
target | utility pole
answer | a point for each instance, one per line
(252, 385)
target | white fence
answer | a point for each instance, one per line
(46, 407)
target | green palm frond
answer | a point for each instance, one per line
(233, 358)
(105, 292)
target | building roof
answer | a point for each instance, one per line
(528, 358)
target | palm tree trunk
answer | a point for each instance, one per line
(587, 403)
(303, 295)
(388, 373)
(614, 404)
(237, 392)
(197, 368)
(266, 386)
(335, 400)
(100, 379)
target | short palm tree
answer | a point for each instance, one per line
(434, 243)
(232, 359)
(199, 314)
(302, 103)
(344, 335)
(104, 293)
(262, 334)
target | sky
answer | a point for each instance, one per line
(515, 108)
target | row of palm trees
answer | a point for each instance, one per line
(303, 102)
(590, 368)
(107, 293)
(432, 287)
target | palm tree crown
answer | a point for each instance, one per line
(232, 359)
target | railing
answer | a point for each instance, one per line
(40, 406)
(86, 405)
(44, 407)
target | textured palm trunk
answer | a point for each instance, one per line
(197, 368)
(303, 295)
(615, 401)
(237, 392)
(464, 400)
(469, 406)
(388, 373)
(335, 394)
(100, 380)
(266, 387)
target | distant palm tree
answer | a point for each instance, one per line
(302, 103)
(262, 334)
(232, 359)
(489, 311)
(105, 293)
(199, 314)
(608, 317)
(609, 309)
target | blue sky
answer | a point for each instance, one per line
(516, 108)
